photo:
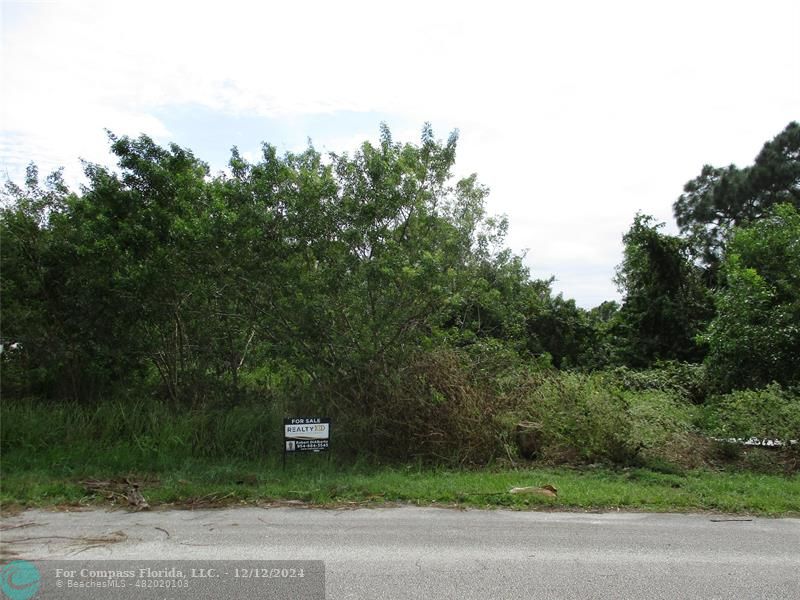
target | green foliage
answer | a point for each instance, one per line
(137, 434)
(373, 288)
(32, 271)
(603, 344)
(658, 419)
(720, 199)
(591, 418)
(565, 332)
(686, 380)
(665, 302)
(755, 337)
(337, 269)
(771, 413)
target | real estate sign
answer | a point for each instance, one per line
(306, 434)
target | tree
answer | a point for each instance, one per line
(340, 267)
(720, 199)
(126, 278)
(564, 331)
(381, 257)
(32, 269)
(755, 337)
(665, 303)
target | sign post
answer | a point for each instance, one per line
(306, 434)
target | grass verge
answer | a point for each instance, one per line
(203, 483)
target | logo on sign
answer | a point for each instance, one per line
(308, 434)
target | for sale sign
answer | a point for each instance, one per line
(306, 434)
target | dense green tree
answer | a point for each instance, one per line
(720, 199)
(142, 238)
(340, 266)
(604, 346)
(755, 337)
(125, 278)
(665, 303)
(563, 330)
(31, 275)
(383, 260)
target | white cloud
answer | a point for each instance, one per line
(576, 114)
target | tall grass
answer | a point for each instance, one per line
(135, 434)
(445, 408)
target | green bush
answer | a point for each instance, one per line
(769, 413)
(578, 414)
(657, 417)
(688, 380)
(592, 418)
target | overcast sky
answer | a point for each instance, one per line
(576, 114)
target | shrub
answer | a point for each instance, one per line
(662, 424)
(443, 406)
(578, 414)
(688, 380)
(769, 413)
(592, 418)
(657, 416)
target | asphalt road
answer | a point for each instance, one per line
(440, 553)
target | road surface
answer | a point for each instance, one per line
(419, 553)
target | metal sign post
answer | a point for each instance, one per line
(306, 434)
